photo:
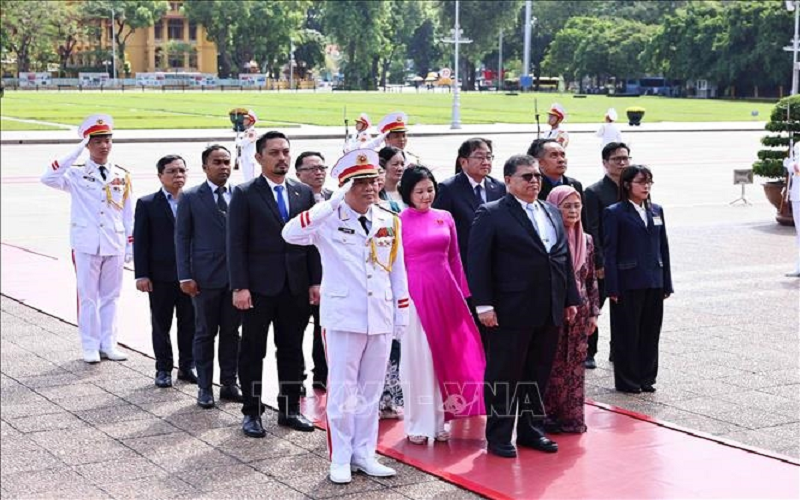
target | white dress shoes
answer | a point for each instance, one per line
(113, 354)
(372, 467)
(340, 473)
(91, 356)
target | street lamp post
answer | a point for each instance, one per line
(500, 64)
(526, 50)
(455, 121)
(291, 64)
(794, 6)
(113, 49)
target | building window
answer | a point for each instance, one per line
(175, 6)
(159, 58)
(175, 29)
(158, 29)
(192, 31)
(176, 60)
(193, 59)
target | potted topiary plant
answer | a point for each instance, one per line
(784, 123)
(635, 115)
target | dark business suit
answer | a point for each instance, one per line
(638, 273)
(154, 258)
(278, 276)
(596, 199)
(318, 346)
(547, 185)
(202, 257)
(529, 288)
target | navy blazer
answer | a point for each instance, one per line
(259, 259)
(200, 239)
(457, 197)
(596, 199)
(636, 256)
(510, 269)
(154, 239)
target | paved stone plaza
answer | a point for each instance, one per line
(729, 351)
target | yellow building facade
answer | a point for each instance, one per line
(172, 44)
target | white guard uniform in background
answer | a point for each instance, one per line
(364, 299)
(246, 146)
(792, 166)
(101, 236)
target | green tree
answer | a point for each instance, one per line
(128, 15)
(220, 19)
(71, 28)
(423, 48)
(27, 31)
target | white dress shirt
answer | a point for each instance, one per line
(284, 193)
(482, 184)
(641, 211)
(214, 187)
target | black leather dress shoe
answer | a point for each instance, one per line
(319, 385)
(541, 443)
(231, 393)
(205, 398)
(506, 450)
(295, 421)
(188, 376)
(163, 379)
(629, 390)
(252, 427)
(590, 363)
(648, 388)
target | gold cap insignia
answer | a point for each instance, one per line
(361, 159)
(100, 121)
(399, 119)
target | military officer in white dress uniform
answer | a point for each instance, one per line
(362, 138)
(246, 147)
(792, 165)
(555, 115)
(394, 128)
(101, 233)
(364, 305)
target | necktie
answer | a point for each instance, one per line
(281, 204)
(221, 203)
(478, 196)
(535, 215)
(102, 170)
(364, 223)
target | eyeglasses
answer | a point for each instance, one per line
(620, 159)
(481, 158)
(643, 183)
(320, 168)
(531, 176)
(173, 171)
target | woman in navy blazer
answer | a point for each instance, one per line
(638, 279)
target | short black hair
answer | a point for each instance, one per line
(387, 153)
(536, 148)
(210, 149)
(163, 162)
(513, 163)
(468, 146)
(611, 147)
(627, 176)
(412, 176)
(305, 154)
(272, 134)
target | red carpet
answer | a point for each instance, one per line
(624, 455)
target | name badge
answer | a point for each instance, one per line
(657, 220)
(347, 230)
(89, 178)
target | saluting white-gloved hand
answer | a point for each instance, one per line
(69, 159)
(338, 196)
(399, 332)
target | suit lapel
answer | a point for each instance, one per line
(492, 190)
(262, 186)
(294, 198)
(631, 211)
(467, 192)
(163, 205)
(519, 213)
(207, 196)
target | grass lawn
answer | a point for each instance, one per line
(153, 110)
(15, 125)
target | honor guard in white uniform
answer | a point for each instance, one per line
(246, 147)
(364, 305)
(361, 138)
(395, 129)
(609, 130)
(792, 165)
(555, 115)
(101, 233)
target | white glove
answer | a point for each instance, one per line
(338, 196)
(399, 332)
(129, 254)
(68, 160)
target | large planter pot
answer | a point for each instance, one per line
(635, 117)
(774, 191)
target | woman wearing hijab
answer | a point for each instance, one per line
(443, 362)
(565, 392)
(638, 279)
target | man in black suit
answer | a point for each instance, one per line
(552, 159)
(599, 196)
(156, 272)
(523, 285)
(311, 170)
(203, 273)
(462, 194)
(273, 282)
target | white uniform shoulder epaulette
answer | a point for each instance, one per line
(122, 168)
(385, 209)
